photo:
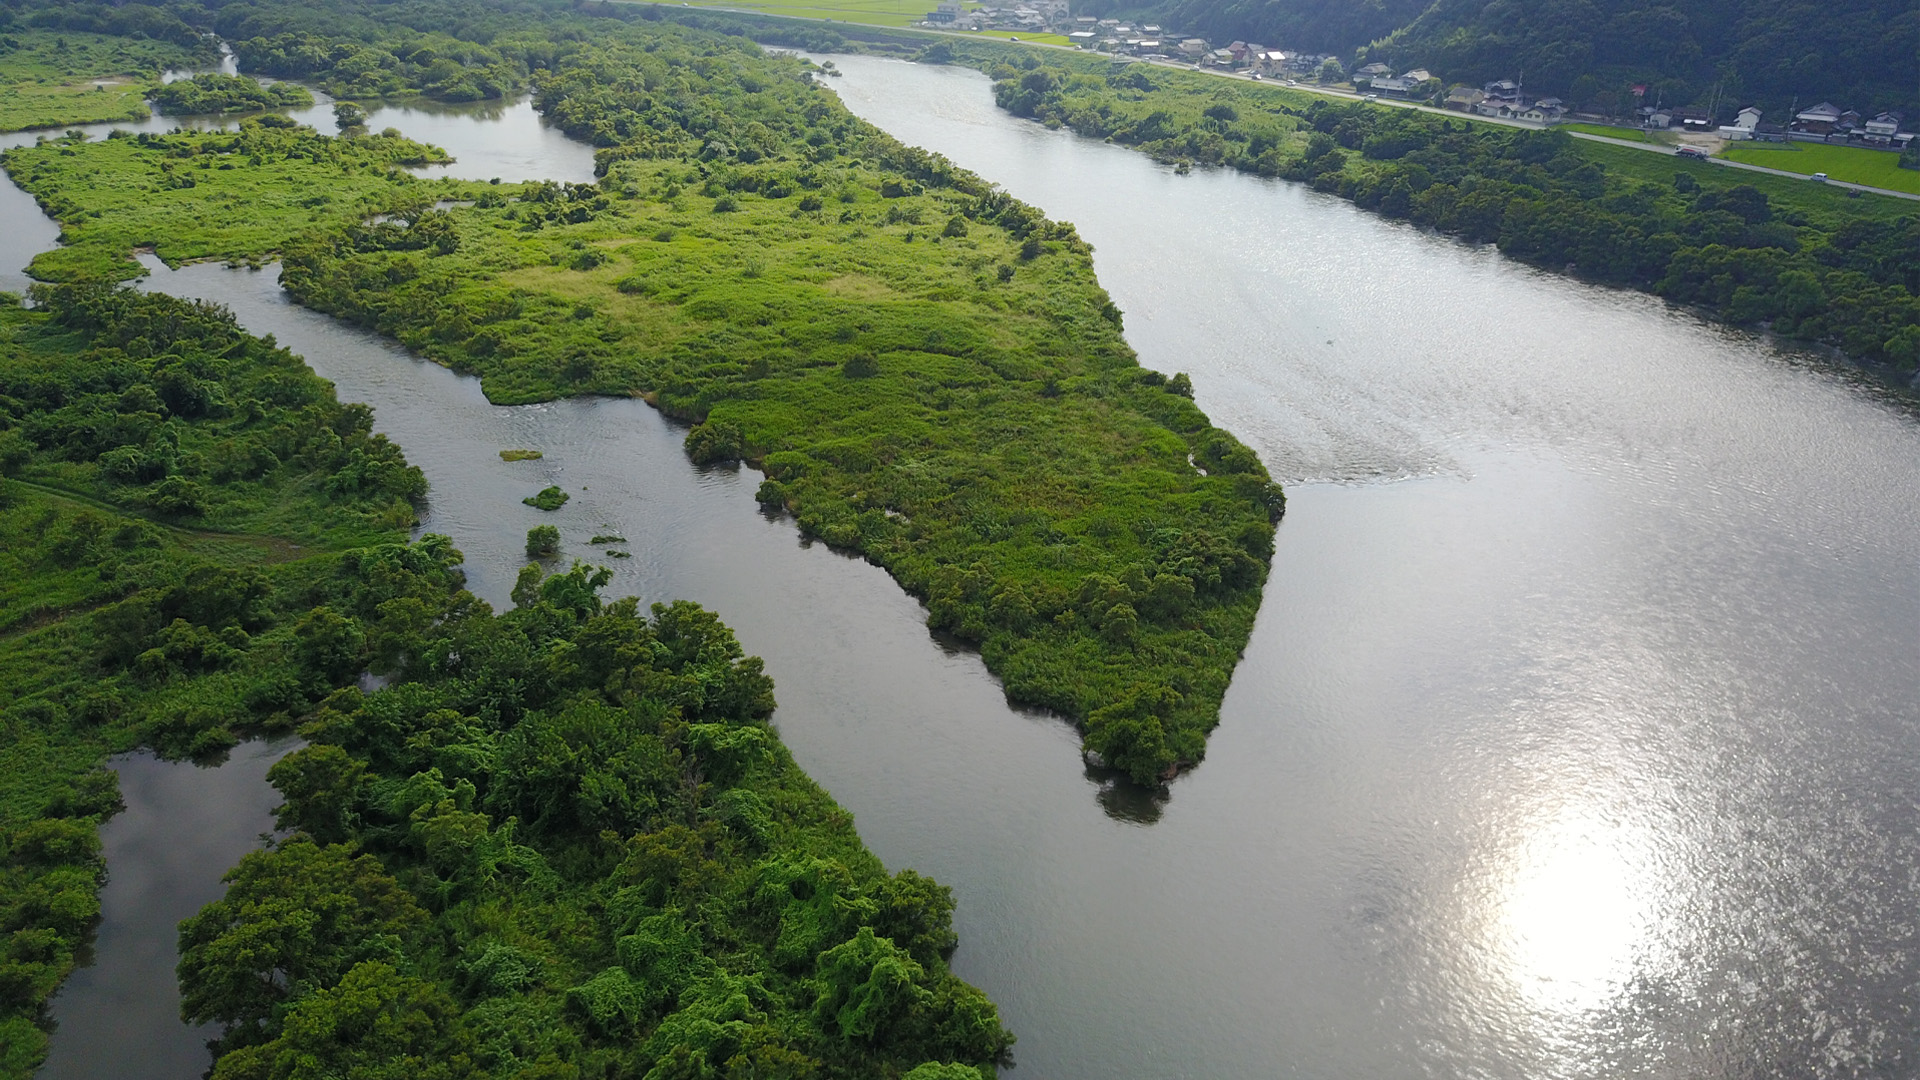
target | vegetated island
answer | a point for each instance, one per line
(216, 93)
(925, 368)
(501, 865)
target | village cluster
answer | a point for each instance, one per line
(1502, 99)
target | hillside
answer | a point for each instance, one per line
(1860, 54)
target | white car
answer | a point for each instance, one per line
(1818, 178)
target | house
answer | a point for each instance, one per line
(1765, 132)
(1749, 118)
(1659, 119)
(1087, 21)
(1886, 124)
(1542, 113)
(1082, 38)
(947, 12)
(1493, 106)
(1150, 30)
(1272, 62)
(1849, 121)
(1394, 87)
(1502, 90)
(1194, 47)
(1464, 98)
(1417, 75)
(1822, 119)
(1373, 71)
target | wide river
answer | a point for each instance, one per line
(1579, 732)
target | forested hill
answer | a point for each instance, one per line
(1861, 54)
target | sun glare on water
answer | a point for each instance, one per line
(1576, 911)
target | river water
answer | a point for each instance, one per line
(1578, 733)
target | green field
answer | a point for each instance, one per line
(894, 13)
(52, 80)
(1875, 168)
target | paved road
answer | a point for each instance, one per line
(1327, 91)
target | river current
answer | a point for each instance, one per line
(1578, 734)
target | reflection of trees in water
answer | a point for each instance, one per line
(491, 109)
(1125, 800)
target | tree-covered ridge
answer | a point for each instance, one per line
(1859, 53)
(566, 843)
(216, 93)
(175, 495)
(1801, 259)
(925, 368)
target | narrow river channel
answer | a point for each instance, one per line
(1578, 733)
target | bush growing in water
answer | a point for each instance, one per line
(549, 498)
(542, 541)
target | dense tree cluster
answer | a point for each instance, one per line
(566, 840)
(157, 462)
(215, 93)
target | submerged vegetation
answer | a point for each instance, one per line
(925, 368)
(548, 498)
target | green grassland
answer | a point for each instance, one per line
(223, 196)
(51, 79)
(886, 13)
(1854, 164)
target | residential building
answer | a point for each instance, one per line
(1748, 118)
(1464, 98)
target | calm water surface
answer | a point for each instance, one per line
(1578, 734)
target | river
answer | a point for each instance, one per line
(1578, 731)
